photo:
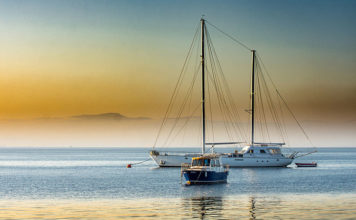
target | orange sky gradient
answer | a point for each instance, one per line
(59, 59)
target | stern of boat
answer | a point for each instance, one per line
(198, 177)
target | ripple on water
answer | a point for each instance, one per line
(318, 206)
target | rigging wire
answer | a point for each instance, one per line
(261, 111)
(185, 123)
(182, 107)
(228, 108)
(285, 102)
(231, 114)
(283, 122)
(177, 86)
(215, 81)
(270, 103)
(210, 108)
(219, 91)
(229, 36)
(216, 78)
(278, 93)
(295, 118)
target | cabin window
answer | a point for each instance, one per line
(206, 162)
(244, 150)
(275, 151)
(250, 151)
(262, 151)
(217, 163)
(212, 163)
(198, 162)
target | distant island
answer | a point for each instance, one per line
(107, 116)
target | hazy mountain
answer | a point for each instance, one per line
(107, 116)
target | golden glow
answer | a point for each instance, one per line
(59, 58)
(69, 88)
(242, 207)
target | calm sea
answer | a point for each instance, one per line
(92, 183)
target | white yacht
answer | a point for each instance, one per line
(258, 155)
(254, 154)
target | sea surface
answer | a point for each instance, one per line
(94, 183)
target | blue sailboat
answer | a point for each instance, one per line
(205, 169)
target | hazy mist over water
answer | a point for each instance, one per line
(142, 132)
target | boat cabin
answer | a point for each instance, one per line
(253, 149)
(259, 150)
(206, 161)
(205, 169)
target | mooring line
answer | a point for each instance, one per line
(130, 164)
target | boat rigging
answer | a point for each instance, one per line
(265, 153)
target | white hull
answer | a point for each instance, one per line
(177, 160)
(257, 162)
(172, 160)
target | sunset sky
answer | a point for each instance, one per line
(64, 58)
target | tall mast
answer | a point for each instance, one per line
(203, 81)
(253, 98)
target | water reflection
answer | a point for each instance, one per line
(265, 206)
(252, 208)
(203, 207)
(219, 208)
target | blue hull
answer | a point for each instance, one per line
(194, 177)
